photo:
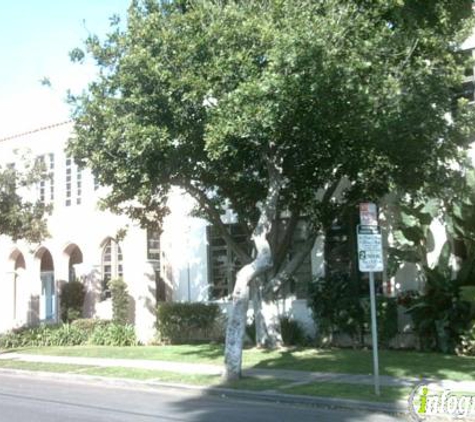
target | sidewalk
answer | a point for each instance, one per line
(300, 377)
(295, 378)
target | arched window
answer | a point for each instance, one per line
(75, 257)
(19, 268)
(111, 264)
(48, 286)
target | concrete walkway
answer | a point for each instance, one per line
(282, 395)
(294, 377)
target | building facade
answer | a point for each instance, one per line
(188, 261)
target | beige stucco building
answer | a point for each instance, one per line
(186, 263)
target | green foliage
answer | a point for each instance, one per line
(120, 301)
(461, 226)
(208, 98)
(292, 332)
(113, 334)
(89, 324)
(44, 335)
(386, 315)
(251, 331)
(410, 227)
(337, 308)
(21, 219)
(439, 315)
(79, 333)
(225, 98)
(72, 297)
(467, 341)
(187, 322)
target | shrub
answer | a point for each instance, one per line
(44, 335)
(386, 316)
(251, 332)
(89, 324)
(72, 300)
(187, 322)
(113, 334)
(467, 342)
(68, 335)
(337, 308)
(80, 332)
(439, 315)
(120, 301)
(292, 332)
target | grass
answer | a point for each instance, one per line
(352, 391)
(199, 353)
(114, 372)
(349, 391)
(148, 375)
(257, 384)
(40, 366)
(394, 363)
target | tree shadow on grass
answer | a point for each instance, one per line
(204, 351)
(398, 363)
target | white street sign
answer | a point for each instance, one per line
(370, 248)
(368, 214)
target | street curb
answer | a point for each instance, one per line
(399, 407)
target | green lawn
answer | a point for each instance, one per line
(351, 391)
(395, 363)
(200, 353)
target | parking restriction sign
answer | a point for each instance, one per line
(370, 248)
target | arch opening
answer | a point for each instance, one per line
(75, 258)
(48, 286)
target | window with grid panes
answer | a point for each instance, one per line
(51, 178)
(153, 244)
(78, 186)
(68, 181)
(46, 185)
(223, 262)
(112, 265)
(302, 278)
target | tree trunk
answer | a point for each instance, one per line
(262, 262)
(236, 326)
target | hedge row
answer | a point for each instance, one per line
(79, 332)
(189, 322)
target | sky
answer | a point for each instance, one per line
(36, 37)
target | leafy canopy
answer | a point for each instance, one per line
(205, 94)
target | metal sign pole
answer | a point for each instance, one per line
(370, 260)
(374, 333)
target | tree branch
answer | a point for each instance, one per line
(291, 267)
(215, 218)
(286, 241)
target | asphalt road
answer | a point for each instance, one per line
(27, 399)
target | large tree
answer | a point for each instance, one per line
(273, 108)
